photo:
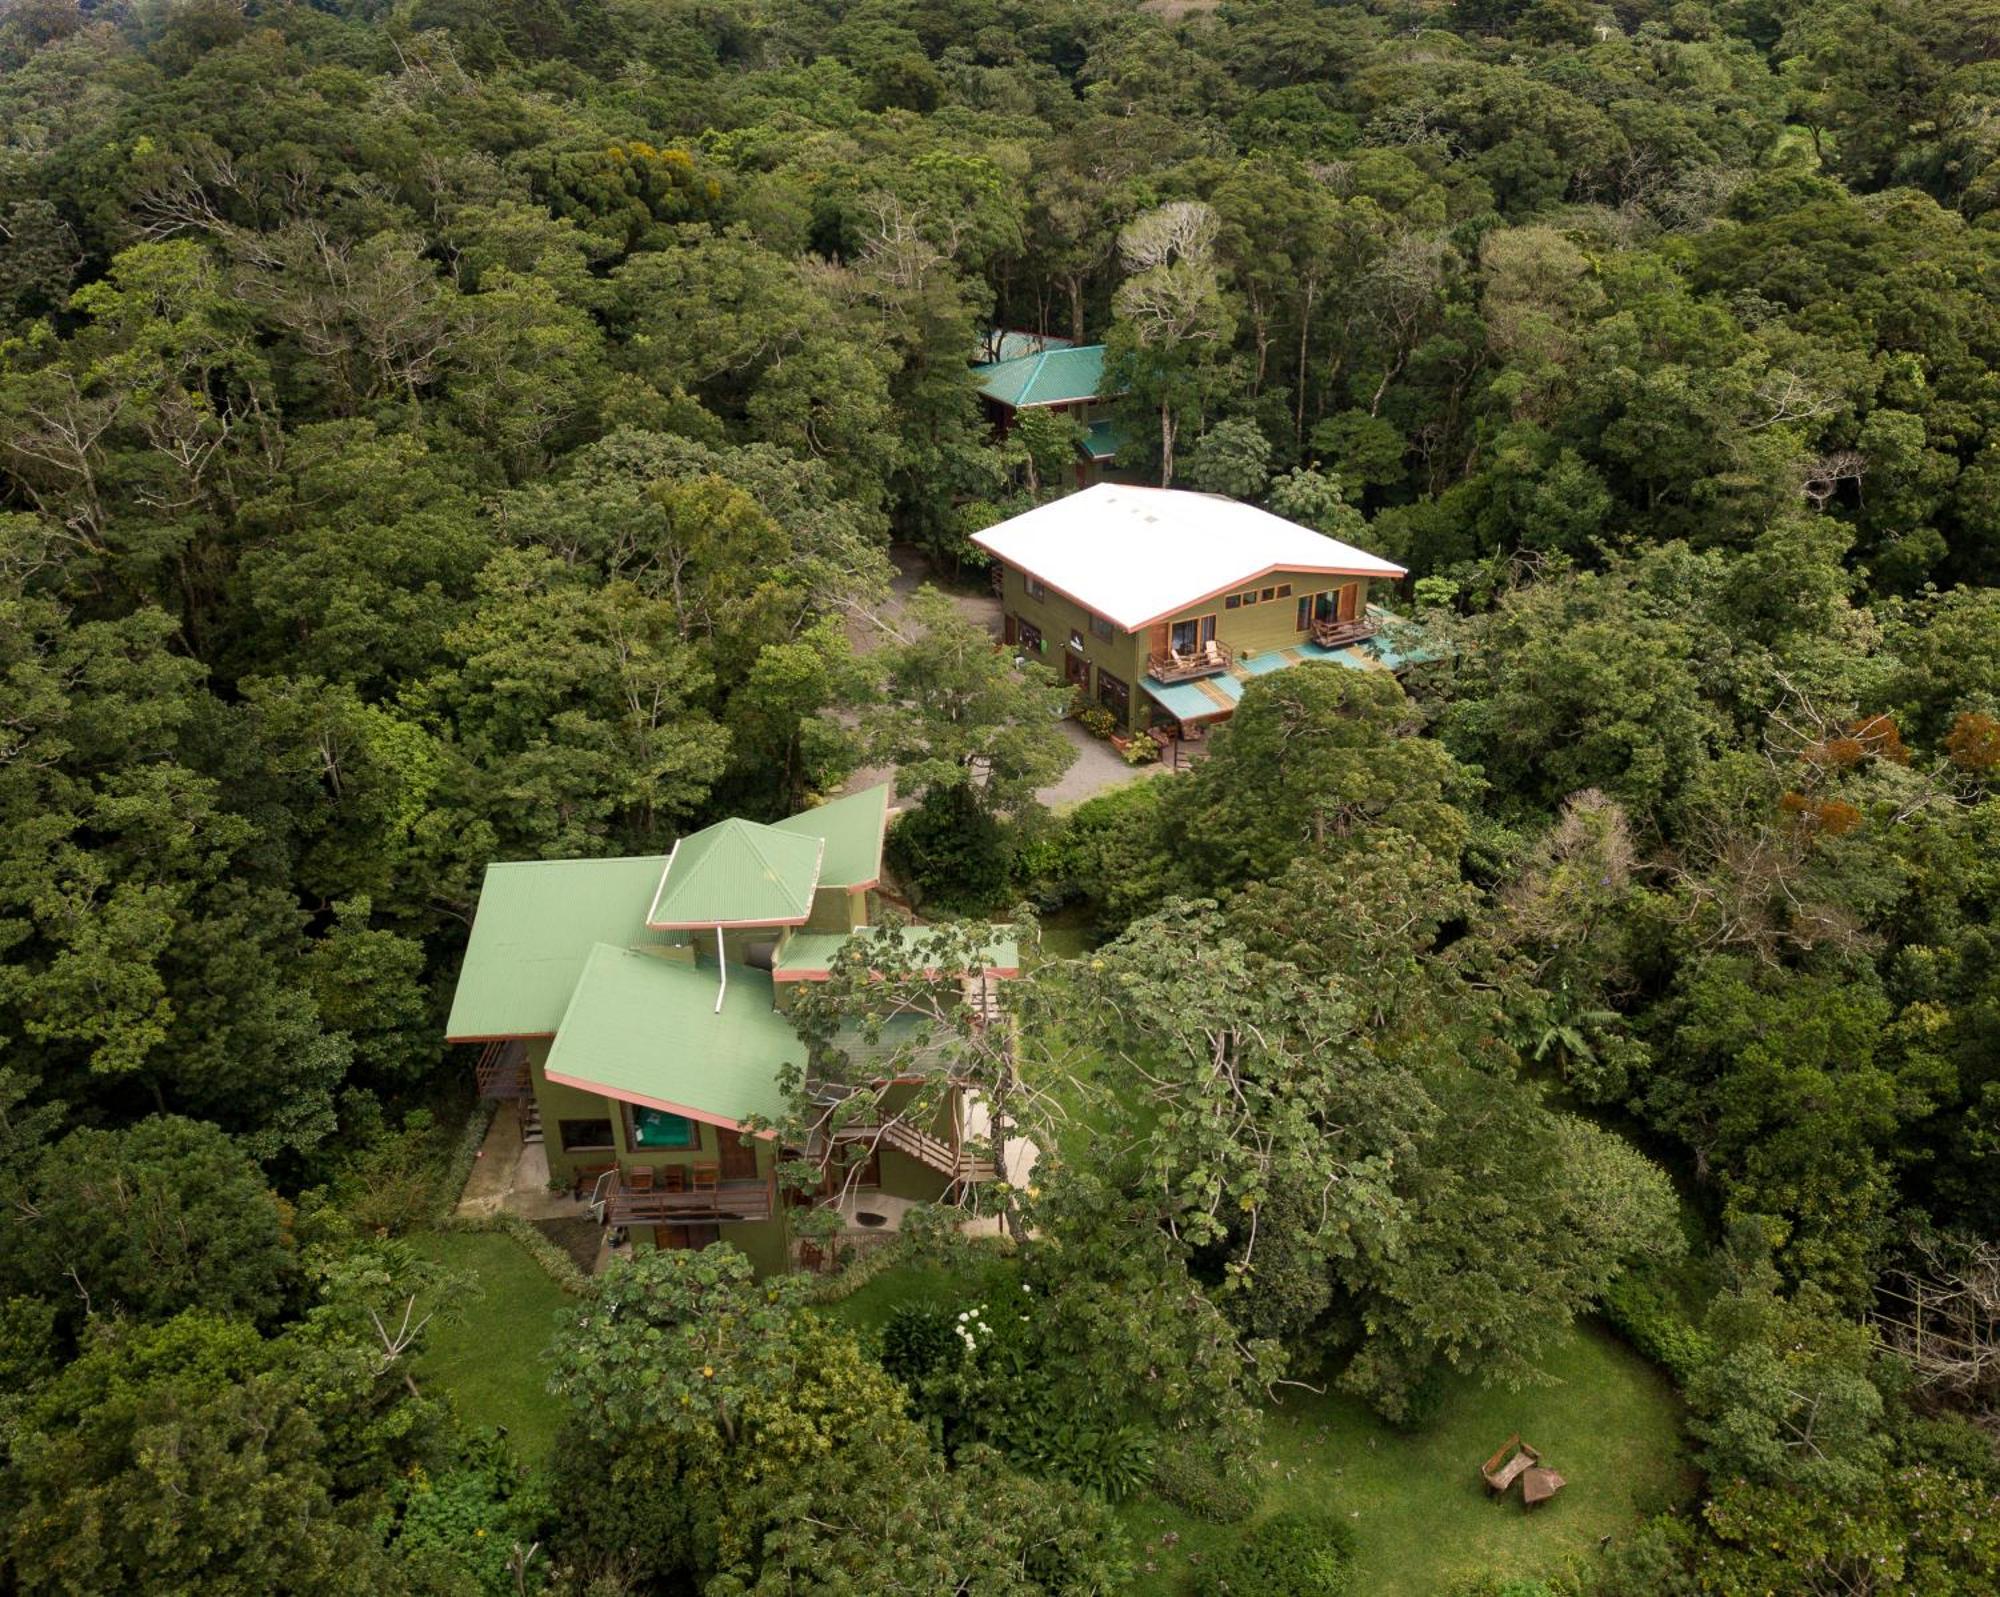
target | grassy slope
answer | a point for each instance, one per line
(1417, 1504)
(490, 1358)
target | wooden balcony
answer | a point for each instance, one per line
(1339, 634)
(624, 1204)
(1210, 659)
(873, 1131)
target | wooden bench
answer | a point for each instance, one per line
(1506, 1466)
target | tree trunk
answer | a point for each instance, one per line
(1166, 446)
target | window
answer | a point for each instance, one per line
(1284, 590)
(1035, 589)
(1030, 638)
(1270, 594)
(655, 1128)
(585, 1136)
(1101, 626)
(1076, 640)
(1250, 597)
(1113, 694)
(1187, 637)
(1232, 601)
(1305, 613)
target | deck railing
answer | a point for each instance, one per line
(1212, 657)
(1338, 634)
(502, 1071)
(625, 1204)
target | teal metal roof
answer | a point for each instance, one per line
(646, 1030)
(1102, 440)
(1054, 377)
(536, 923)
(1009, 344)
(738, 873)
(1207, 697)
(809, 955)
(852, 830)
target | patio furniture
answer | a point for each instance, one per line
(1538, 1485)
(586, 1177)
(707, 1177)
(639, 1178)
(1514, 1458)
(1161, 735)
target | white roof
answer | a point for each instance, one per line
(1138, 555)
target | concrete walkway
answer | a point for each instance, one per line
(512, 1177)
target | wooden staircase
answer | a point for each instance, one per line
(502, 1072)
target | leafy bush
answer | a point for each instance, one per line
(1646, 1315)
(1204, 1486)
(1287, 1555)
(1091, 1450)
(952, 850)
(1097, 721)
(917, 1340)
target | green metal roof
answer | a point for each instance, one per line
(738, 873)
(536, 923)
(1101, 440)
(810, 954)
(852, 830)
(1054, 377)
(646, 1030)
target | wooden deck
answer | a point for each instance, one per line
(727, 1201)
(1211, 658)
(1339, 634)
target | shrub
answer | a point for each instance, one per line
(1093, 1451)
(1646, 1315)
(916, 1339)
(952, 849)
(1205, 1486)
(1097, 721)
(1287, 1555)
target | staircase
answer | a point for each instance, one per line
(982, 997)
(502, 1072)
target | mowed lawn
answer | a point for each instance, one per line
(488, 1355)
(1420, 1512)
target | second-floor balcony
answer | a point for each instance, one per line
(1335, 634)
(646, 1200)
(1204, 660)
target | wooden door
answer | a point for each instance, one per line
(1162, 639)
(738, 1155)
(1076, 670)
(1008, 633)
(1350, 601)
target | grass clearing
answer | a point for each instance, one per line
(867, 1309)
(489, 1357)
(1420, 1512)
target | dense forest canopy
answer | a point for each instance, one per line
(442, 431)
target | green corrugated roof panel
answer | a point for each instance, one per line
(536, 923)
(852, 829)
(806, 954)
(738, 873)
(1101, 440)
(1054, 377)
(646, 1030)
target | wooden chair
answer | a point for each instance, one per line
(707, 1176)
(639, 1178)
(585, 1178)
(673, 1178)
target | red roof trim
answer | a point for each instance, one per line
(504, 1036)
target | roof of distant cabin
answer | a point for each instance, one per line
(808, 956)
(1011, 344)
(1102, 440)
(738, 873)
(1139, 555)
(646, 1030)
(1053, 377)
(851, 828)
(535, 927)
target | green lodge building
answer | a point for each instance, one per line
(636, 1009)
(1160, 604)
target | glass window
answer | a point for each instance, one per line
(1305, 613)
(1113, 694)
(1250, 597)
(1076, 640)
(1101, 626)
(1232, 601)
(1030, 637)
(655, 1128)
(1186, 637)
(1284, 590)
(1270, 594)
(584, 1136)
(1035, 589)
